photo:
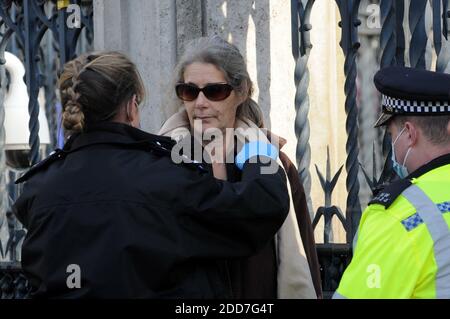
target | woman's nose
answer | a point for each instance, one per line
(201, 100)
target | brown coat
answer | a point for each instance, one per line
(304, 221)
(246, 273)
(256, 277)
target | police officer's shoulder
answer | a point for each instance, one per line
(389, 194)
(57, 154)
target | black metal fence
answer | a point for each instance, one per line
(46, 34)
(402, 40)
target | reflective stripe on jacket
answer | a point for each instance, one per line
(403, 244)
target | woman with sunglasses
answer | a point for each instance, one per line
(112, 216)
(212, 89)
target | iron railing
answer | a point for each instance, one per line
(334, 257)
(45, 35)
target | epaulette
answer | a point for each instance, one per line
(388, 195)
(52, 157)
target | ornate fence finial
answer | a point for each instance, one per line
(371, 181)
(328, 210)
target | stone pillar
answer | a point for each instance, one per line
(190, 22)
(146, 31)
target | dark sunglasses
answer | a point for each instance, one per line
(213, 92)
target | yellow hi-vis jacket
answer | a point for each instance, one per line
(402, 248)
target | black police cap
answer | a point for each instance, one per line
(410, 91)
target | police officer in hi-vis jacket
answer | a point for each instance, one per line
(402, 247)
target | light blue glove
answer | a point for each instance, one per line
(256, 148)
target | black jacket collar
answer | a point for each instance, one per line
(390, 192)
(117, 134)
(108, 133)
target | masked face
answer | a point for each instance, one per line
(400, 169)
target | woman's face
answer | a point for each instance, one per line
(212, 114)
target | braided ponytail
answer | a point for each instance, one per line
(73, 116)
(94, 86)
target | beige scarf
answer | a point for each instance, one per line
(293, 274)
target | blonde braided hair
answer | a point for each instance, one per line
(94, 86)
(73, 116)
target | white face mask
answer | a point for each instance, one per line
(401, 170)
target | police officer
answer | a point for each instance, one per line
(403, 242)
(111, 215)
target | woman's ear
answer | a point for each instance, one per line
(129, 109)
(133, 112)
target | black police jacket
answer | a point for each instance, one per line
(112, 216)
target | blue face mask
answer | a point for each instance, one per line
(401, 170)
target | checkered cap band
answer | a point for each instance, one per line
(393, 105)
(415, 220)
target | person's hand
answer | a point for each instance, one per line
(215, 148)
(252, 142)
